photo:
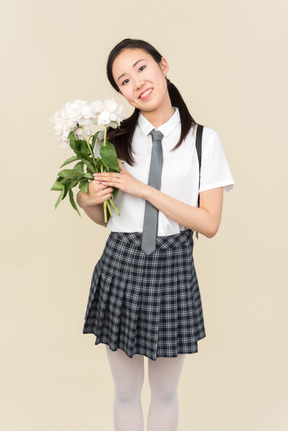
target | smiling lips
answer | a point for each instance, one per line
(145, 94)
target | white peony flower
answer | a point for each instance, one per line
(79, 112)
(110, 105)
(66, 120)
(62, 122)
(64, 142)
(96, 107)
(104, 118)
(63, 126)
(80, 134)
(108, 112)
(120, 113)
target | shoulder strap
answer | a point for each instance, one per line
(199, 134)
(199, 152)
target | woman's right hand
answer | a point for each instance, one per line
(92, 201)
(97, 194)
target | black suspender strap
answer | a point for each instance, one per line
(199, 134)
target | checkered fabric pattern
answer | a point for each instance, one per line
(146, 304)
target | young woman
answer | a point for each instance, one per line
(147, 303)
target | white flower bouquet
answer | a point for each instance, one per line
(73, 124)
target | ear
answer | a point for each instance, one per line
(164, 66)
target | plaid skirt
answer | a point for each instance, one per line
(146, 304)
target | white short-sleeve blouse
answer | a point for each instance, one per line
(180, 173)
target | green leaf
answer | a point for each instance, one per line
(73, 142)
(66, 190)
(89, 165)
(72, 202)
(109, 156)
(89, 176)
(61, 180)
(82, 152)
(98, 164)
(105, 166)
(61, 196)
(70, 160)
(69, 174)
(78, 145)
(95, 138)
(57, 186)
(115, 193)
(83, 186)
(73, 183)
(67, 181)
(84, 147)
(69, 185)
(79, 167)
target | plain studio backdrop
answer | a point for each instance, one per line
(229, 60)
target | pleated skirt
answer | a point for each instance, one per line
(146, 304)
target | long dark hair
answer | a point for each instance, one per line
(122, 138)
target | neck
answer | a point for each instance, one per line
(160, 115)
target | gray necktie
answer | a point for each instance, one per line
(150, 226)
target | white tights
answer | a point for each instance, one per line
(128, 375)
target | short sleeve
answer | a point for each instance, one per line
(215, 171)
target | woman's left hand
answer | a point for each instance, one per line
(123, 180)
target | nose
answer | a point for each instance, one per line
(138, 82)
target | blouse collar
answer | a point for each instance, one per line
(165, 128)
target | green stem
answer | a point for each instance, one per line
(106, 203)
(114, 206)
(105, 211)
(109, 209)
(105, 136)
(91, 152)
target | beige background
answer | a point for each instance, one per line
(228, 58)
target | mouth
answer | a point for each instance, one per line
(145, 94)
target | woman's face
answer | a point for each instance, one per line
(141, 80)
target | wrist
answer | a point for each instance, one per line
(83, 200)
(147, 192)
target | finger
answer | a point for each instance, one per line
(105, 191)
(121, 167)
(95, 183)
(104, 198)
(95, 186)
(103, 195)
(109, 179)
(116, 183)
(108, 176)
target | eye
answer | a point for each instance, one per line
(141, 68)
(125, 82)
